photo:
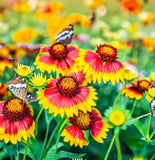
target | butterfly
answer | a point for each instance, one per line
(152, 105)
(66, 35)
(18, 87)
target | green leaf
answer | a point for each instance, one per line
(52, 149)
(153, 142)
(86, 135)
(63, 154)
(141, 128)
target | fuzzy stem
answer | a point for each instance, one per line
(152, 134)
(60, 130)
(45, 141)
(110, 146)
(26, 149)
(133, 107)
(117, 98)
(118, 147)
(53, 133)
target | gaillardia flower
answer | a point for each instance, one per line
(91, 121)
(129, 75)
(136, 89)
(102, 65)
(67, 95)
(38, 80)
(16, 120)
(23, 70)
(57, 58)
(150, 94)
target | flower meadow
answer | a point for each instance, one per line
(77, 80)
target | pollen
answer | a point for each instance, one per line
(143, 85)
(14, 109)
(107, 52)
(68, 86)
(58, 51)
(83, 120)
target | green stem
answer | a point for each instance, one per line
(60, 130)
(152, 134)
(45, 141)
(148, 126)
(26, 149)
(117, 98)
(11, 158)
(53, 133)
(133, 107)
(118, 147)
(110, 146)
(18, 148)
(152, 158)
(36, 121)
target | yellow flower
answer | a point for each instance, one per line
(146, 18)
(23, 70)
(132, 28)
(152, 76)
(24, 35)
(93, 3)
(117, 118)
(86, 22)
(21, 6)
(150, 94)
(138, 158)
(38, 80)
(129, 75)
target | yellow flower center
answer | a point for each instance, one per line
(117, 118)
(23, 70)
(58, 51)
(143, 85)
(83, 120)
(68, 86)
(14, 109)
(107, 52)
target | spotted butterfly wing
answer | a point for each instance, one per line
(152, 105)
(18, 86)
(66, 35)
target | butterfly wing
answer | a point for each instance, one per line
(152, 105)
(30, 97)
(66, 35)
(18, 86)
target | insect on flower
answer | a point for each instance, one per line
(66, 35)
(18, 87)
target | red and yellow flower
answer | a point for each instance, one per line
(132, 6)
(91, 121)
(102, 65)
(136, 89)
(57, 58)
(3, 91)
(16, 120)
(67, 95)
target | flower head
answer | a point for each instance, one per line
(23, 70)
(57, 58)
(132, 6)
(129, 75)
(3, 90)
(16, 120)
(152, 76)
(82, 122)
(136, 89)
(21, 7)
(102, 65)
(24, 35)
(66, 95)
(117, 117)
(150, 94)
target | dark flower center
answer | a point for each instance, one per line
(58, 51)
(83, 120)
(107, 52)
(15, 109)
(68, 86)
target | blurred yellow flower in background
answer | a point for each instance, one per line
(24, 35)
(21, 7)
(152, 76)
